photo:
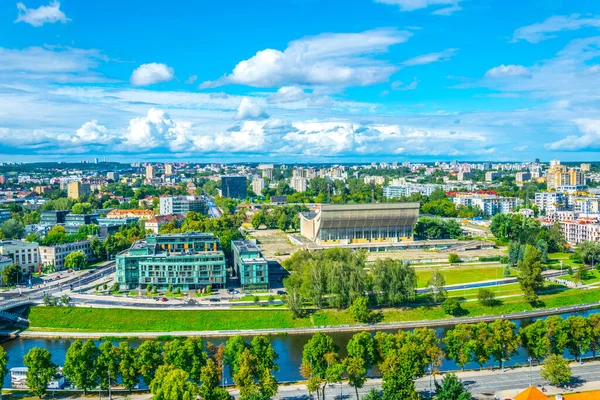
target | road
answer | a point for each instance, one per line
(485, 383)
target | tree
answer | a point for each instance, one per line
(504, 341)
(315, 357)
(11, 274)
(579, 335)
(398, 376)
(127, 367)
(65, 300)
(453, 258)
(451, 389)
(40, 370)
(254, 381)
(294, 298)
(556, 370)
(359, 310)
(81, 208)
(76, 260)
(107, 365)
(98, 249)
(12, 229)
(530, 277)
(257, 220)
(486, 297)
(594, 321)
(535, 339)
(557, 334)
(148, 359)
(361, 358)
(460, 343)
(210, 376)
(79, 364)
(452, 307)
(482, 351)
(3, 367)
(394, 281)
(436, 285)
(171, 383)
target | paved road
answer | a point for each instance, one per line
(485, 383)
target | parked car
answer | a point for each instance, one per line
(214, 300)
(164, 299)
(281, 292)
(57, 277)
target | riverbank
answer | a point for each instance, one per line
(79, 322)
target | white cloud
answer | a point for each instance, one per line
(589, 139)
(49, 59)
(430, 58)
(248, 109)
(399, 85)
(544, 30)
(287, 94)
(329, 59)
(156, 129)
(412, 5)
(42, 15)
(511, 70)
(191, 79)
(149, 74)
(92, 132)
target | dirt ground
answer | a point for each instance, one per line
(273, 241)
(431, 254)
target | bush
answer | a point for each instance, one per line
(256, 300)
(452, 307)
(170, 289)
(492, 258)
(486, 297)
(178, 290)
(115, 287)
(104, 287)
(582, 273)
(453, 258)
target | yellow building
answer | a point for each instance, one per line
(77, 189)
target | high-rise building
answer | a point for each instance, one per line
(250, 265)
(585, 167)
(150, 173)
(188, 261)
(267, 173)
(76, 189)
(182, 205)
(560, 175)
(168, 169)
(299, 184)
(234, 186)
(521, 177)
(258, 184)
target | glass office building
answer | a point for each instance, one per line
(250, 265)
(234, 186)
(188, 261)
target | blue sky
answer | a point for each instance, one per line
(300, 80)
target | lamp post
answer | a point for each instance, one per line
(430, 369)
(529, 359)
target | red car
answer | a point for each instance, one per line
(58, 277)
(164, 299)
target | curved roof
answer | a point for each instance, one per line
(366, 215)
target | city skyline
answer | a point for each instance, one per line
(383, 80)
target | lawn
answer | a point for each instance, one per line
(554, 260)
(126, 320)
(594, 276)
(462, 274)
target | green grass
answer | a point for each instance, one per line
(127, 320)
(462, 274)
(251, 298)
(554, 260)
(594, 276)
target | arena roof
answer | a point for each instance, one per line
(366, 215)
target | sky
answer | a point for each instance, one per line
(300, 80)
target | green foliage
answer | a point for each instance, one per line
(40, 370)
(436, 285)
(515, 227)
(452, 307)
(579, 335)
(453, 258)
(148, 359)
(359, 310)
(76, 260)
(587, 251)
(128, 366)
(107, 364)
(11, 274)
(486, 297)
(81, 208)
(172, 383)
(536, 340)
(12, 229)
(451, 389)
(3, 366)
(556, 370)
(394, 281)
(530, 276)
(504, 341)
(80, 361)
(437, 228)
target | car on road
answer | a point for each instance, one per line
(214, 300)
(69, 270)
(58, 277)
(164, 299)
(281, 292)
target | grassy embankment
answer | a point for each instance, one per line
(126, 320)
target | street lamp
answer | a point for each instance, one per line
(529, 359)
(430, 370)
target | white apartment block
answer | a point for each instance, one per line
(550, 202)
(258, 184)
(580, 230)
(490, 205)
(25, 254)
(299, 184)
(492, 175)
(55, 255)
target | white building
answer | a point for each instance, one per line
(492, 175)
(258, 184)
(580, 230)
(489, 205)
(299, 184)
(550, 202)
(55, 255)
(25, 254)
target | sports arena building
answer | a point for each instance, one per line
(360, 223)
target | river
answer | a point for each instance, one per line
(289, 348)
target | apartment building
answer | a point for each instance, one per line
(154, 224)
(234, 186)
(77, 189)
(258, 184)
(188, 261)
(124, 214)
(55, 255)
(150, 173)
(580, 230)
(490, 205)
(182, 205)
(491, 176)
(560, 175)
(299, 184)
(550, 202)
(250, 265)
(4, 215)
(25, 254)
(522, 177)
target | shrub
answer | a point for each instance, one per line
(453, 258)
(486, 297)
(170, 288)
(452, 306)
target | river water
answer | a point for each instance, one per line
(289, 348)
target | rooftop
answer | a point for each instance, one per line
(245, 246)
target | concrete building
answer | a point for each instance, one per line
(489, 205)
(522, 177)
(550, 202)
(258, 184)
(150, 173)
(491, 176)
(234, 186)
(53, 217)
(155, 223)
(112, 175)
(77, 189)
(25, 254)
(299, 184)
(139, 214)
(182, 205)
(585, 167)
(188, 261)
(360, 223)
(55, 255)
(560, 175)
(5, 262)
(168, 169)
(580, 230)
(250, 265)
(267, 173)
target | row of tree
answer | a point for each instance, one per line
(282, 217)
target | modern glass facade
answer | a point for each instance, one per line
(235, 187)
(250, 265)
(188, 261)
